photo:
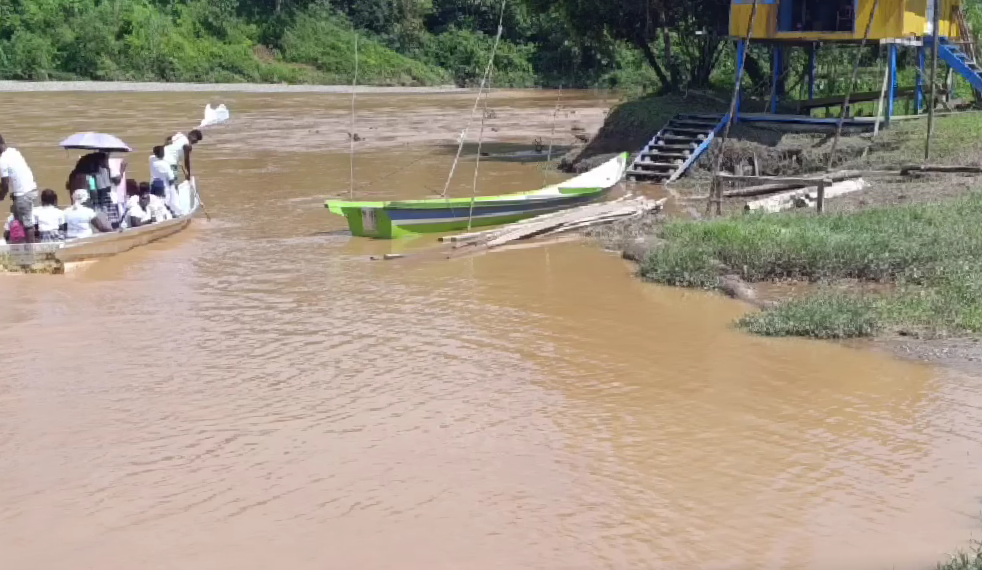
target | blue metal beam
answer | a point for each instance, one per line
(741, 48)
(777, 55)
(892, 97)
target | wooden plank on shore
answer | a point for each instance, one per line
(908, 170)
(788, 200)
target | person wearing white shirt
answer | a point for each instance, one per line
(50, 221)
(177, 151)
(80, 219)
(17, 179)
(117, 176)
(144, 209)
(162, 180)
(161, 173)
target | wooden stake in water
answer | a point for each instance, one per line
(351, 135)
(484, 80)
(552, 135)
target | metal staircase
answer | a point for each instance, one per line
(676, 147)
(963, 64)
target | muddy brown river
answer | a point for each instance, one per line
(255, 394)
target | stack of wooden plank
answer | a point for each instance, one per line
(550, 225)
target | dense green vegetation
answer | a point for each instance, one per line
(402, 42)
(646, 44)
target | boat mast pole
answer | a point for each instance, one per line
(552, 135)
(480, 143)
(484, 81)
(351, 134)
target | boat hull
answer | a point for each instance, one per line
(390, 223)
(388, 220)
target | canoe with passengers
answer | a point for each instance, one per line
(66, 256)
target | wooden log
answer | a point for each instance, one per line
(804, 196)
(908, 170)
(765, 189)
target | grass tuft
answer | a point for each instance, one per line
(964, 560)
(821, 316)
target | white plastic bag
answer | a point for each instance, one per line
(215, 116)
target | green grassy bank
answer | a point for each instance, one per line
(930, 253)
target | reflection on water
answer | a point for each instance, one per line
(255, 393)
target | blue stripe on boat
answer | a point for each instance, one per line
(397, 214)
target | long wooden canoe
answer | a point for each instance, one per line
(387, 220)
(63, 257)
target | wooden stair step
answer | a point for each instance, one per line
(648, 174)
(695, 132)
(680, 139)
(658, 165)
(697, 116)
(694, 124)
(671, 147)
(667, 155)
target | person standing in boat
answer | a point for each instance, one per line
(17, 179)
(93, 168)
(117, 176)
(177, 152)
(162, 180)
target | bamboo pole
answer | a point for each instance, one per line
(934, 78)
(715, 189)
(351, 135)
(852, 83)
(484, 80)
(480, 144)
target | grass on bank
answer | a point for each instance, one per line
(965, 560)
(931, 253)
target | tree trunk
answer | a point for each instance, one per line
(642, 44)
(673, 68)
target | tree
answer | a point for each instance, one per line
(691, 32)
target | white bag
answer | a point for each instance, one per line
(215, 116)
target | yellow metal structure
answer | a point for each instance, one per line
(895, 20)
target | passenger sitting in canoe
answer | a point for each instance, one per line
(158, 206)
(146, 210)
(13, 229)
(80, 219)
(49, 220)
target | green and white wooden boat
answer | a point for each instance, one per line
(389, 220)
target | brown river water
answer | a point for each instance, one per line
(254, 393)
